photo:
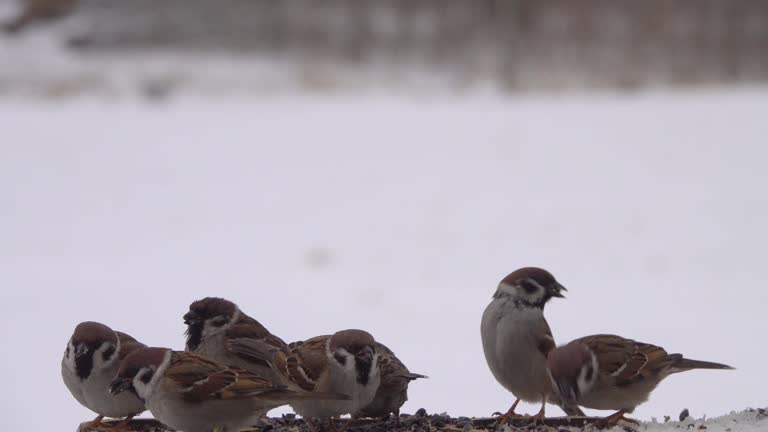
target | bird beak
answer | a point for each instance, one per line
(555, 290)
(119, 385)
(191, 318)
(365, 355)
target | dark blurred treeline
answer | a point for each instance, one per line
(520, 43)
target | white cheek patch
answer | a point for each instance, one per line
(98, 355)
(349, 360)
(144, 390)
(211, 330)
(69, 356)
(588, 376)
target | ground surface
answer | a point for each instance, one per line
(751, 420)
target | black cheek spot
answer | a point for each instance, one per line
(146, 377)
(218, 322)
(108, 353)
(590, 372)
(528, 287)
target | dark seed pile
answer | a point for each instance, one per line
(419, 422)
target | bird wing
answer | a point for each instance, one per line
(306, 362)
(252, 342)
(198, 378)
(626, 360)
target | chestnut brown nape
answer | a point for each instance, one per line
(210, 307)
(351, 337)
(140, 358)
(567, 360)
(543, 277)
(92, 332)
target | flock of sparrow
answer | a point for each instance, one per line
(234, 370)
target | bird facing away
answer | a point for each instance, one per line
(193, 393)
(609, 372)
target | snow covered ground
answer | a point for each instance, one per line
(394, 214)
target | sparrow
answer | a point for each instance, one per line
(91, 360)
(608, 372)
(217, 328)
(346, 362)
(516, 337)
(393, 389)
(193, 393)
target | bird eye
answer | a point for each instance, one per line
(108, 353)
(218, 322)
(340, 358)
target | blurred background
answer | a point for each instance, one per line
(382, 165)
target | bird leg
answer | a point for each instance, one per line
(505, 418)
(96, 423)
(539, 416)
(614, 419)
(122, 424)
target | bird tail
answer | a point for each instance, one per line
(681, 364)
(411, 376)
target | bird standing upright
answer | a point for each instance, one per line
(516, 337)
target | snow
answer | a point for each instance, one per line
(744, 421)
(395, 214)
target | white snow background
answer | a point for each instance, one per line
(394, 215)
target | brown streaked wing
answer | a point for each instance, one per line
(251, 341)
(306, 362)
(198, 378)
(625, 359)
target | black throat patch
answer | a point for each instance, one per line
(194, 335)
(84, 363)
(363, 371)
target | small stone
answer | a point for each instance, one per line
(667, 419)
(439, 420)
(684, 414)
(421, 412)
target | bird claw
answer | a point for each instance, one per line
(614, 419)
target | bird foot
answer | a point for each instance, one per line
(94, 424)
(510, 415)
(614, 419)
